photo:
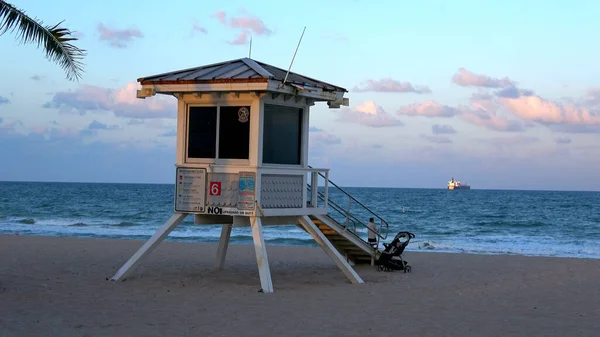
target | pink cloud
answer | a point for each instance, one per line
(246, 23)
(390, 85)
(241, 38)
(118, 38)
(428, 109)
(122, 102)
(323, 137)
(491, 121)
(197, 28)
(467, 78)
(537, 109)
(482, 111)
(369, 114)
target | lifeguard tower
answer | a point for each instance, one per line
(242, 160)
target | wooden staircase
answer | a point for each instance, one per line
(351, 246)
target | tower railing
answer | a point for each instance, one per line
(350, 214)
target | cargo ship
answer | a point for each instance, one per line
(457, 185)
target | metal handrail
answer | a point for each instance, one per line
(354, 219)
(381, 220)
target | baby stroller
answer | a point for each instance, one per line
(391, 258)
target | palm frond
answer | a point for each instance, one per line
(56, 41)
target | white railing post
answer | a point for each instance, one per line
(326, 188)
(314, 188)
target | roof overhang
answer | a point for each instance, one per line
(334, 98)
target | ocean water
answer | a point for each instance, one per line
(542, 223)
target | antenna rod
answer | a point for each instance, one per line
(250, 52)
(288, 72)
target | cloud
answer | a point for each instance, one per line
(1, 120)
(323, 137)
(314, 129)
(465, 78)
(438, 129)
(562, 140)
(576, 116)
(10, 128)
(197, 28)
(67, 157)
(122, 102)
(4, 100)
(437, 139)
(593, 97)
(537, 109)
(368, 114)
(95, 125)
(570, 128)
(491, 121)
(246, 23)
(240, 39)
(428, 109)
(118, 38)
(37, 78)
(136, 122)
(390, 85)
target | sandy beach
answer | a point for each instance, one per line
(58, 287)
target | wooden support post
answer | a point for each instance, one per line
(261, 255)
(333, 254)
(223, 244)
(149, 245)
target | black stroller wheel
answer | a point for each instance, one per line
(407, 269)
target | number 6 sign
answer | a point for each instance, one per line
(215, 188)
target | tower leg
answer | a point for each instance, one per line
(333, 254)
(261, 255)
(149, 245)
(223, 244)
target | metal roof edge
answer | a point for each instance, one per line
(188, 69)
(257, 67)
(310, 78)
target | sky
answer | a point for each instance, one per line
(500, 95)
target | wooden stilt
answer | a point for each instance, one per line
(261, 255)
(333, 254)
(149, 245)
(223, 244)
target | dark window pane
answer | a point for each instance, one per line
(234, 132)
(282, 135)
(202, 132)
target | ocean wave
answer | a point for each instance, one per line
(511, 224)
(122, 224)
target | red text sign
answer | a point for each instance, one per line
(214, 188)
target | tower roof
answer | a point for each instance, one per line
(236, 71)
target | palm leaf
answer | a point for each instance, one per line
(55, 40)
